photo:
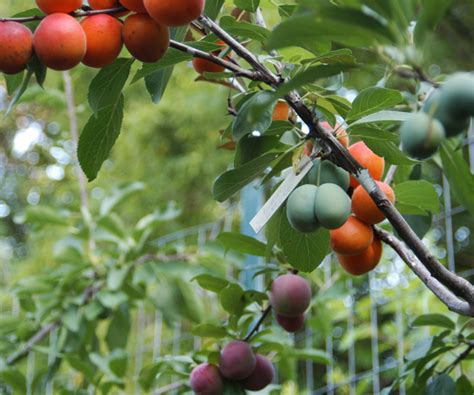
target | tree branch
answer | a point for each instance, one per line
(259, 323)
(442, 292)
(459, 359)
(238, 71)
(80, 14)
(40, 336)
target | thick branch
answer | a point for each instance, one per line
(442, 292)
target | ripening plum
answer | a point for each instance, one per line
(174, 12)
(365, 208)
(206, 379)
(134, 5)
(290, 295)
(237, 360)
(53, 6)
(290, 324)
(16, 47)
(104, 40)
(421, 136)
(368, 159)
(281, 112)
(146, 39)
(300, 209)
(332, 206)
(206, 66)
(262, 375)
(60, 42)
(365, 262)
(106, 5)
(352, 238)
(326, 172)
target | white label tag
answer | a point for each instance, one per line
(280, 195)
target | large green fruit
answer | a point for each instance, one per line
(300, 209)
(421, 136)
(457, 95)
(453, 104)
(332, 206)
(326, 172)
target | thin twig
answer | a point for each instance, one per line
(459, 359)
(80, 14)
(258, 324)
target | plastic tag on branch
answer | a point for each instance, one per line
(281, 194)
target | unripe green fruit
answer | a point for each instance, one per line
(326, 172)
(300, 209)
(421, 136)
(332, 206)
(457, 95)
(452, 124)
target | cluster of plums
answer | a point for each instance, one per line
(237, 363)
(61, 42)
(445, 113)
(323, 201)
(290, 297)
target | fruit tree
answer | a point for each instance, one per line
(343, 166)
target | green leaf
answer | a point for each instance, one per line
(372, 100)
(170, 58)
(431, 14)
(119, 329)
(15, 379)
(460, 178)
(420, 349)
(244, 29)
(234, 180)
(38, 69)
(304, 251)
(72, 319)
(309, 354)
(254, 115)
(210, 330)
(13, 82)
(118, 196)
(45, 215)
(81, 365)
(441, 385)
(213, 7)
(389, 151)
(107, 85)
(311, 75)
(98, 138)
(463, 386)
(247, 5)
(434, 320)
(384, 116)
(19, 91)
(232, 299)
(420, 194)
(242, 243)
(210, 282)
(118, 362)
